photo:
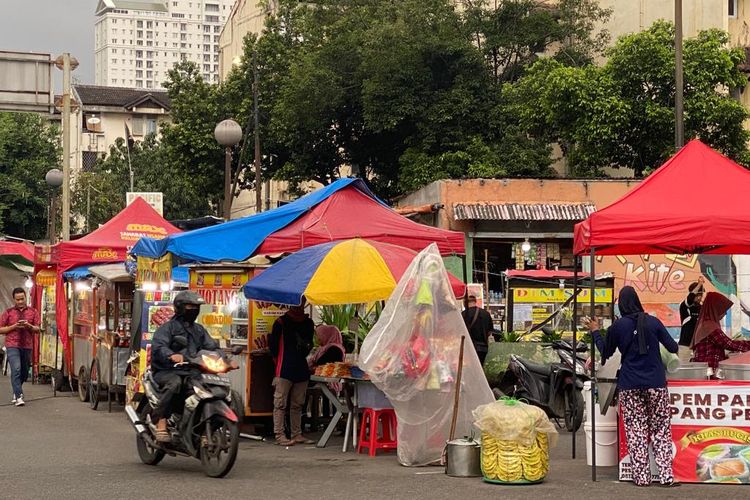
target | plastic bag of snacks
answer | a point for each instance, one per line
(515, 441)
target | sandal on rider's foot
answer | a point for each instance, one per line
(162, 437)
(285, 442)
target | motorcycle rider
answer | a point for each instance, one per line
(165, 355)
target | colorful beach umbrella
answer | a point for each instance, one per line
(353, 271)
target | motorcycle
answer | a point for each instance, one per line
(207, 428)
(549, 387)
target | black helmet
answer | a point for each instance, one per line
(184, 298)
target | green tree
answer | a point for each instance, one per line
(29, 147)
(622, 114)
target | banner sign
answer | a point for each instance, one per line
(710, 433)
(158, 270)
(217, 280)
(558, 295)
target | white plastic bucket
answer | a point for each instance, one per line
(606, 444)
(608, 418)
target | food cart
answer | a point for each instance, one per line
(85, 315)
(709, 417)
(538, 295)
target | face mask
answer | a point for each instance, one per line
(190, 315)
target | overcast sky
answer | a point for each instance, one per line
(51, 26)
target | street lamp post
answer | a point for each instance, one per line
(54, 179)
(228, 133)
(67, 64)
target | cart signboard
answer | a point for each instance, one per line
(710, 433)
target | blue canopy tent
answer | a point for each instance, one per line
(221, 242)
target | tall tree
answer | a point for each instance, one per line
(29, 148)
(622, 114)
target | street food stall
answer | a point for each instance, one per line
(222, 254)
(543, 296)
(92, 310)
(355, 271)
(709, 417)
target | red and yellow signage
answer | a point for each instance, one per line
(557, 295)
(710, 433)
(104, 253)
(46, 277)
(218, 280)
(158, 270)
(134, 232)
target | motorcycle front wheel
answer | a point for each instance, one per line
(147, 454)
(573, 409)
(219, 447)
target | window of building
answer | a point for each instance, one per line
(114, 21)
(178, 16)
(217, 29)
(216, 58)
(114, 40)
(183, 27)
(207, 38)
(216, 38)
(732, 8)
(139, 83)
(139, 33)
(216, 68)
(138, 53)
(114, 61)
(139, 24)
(150, 34)
(175, 4)
(139, 73)
(206, 57)
(212, 19)
(206, 48)
(149, 43)
(149, 24)
(114, 81)
(139, 64)
(207, 77)
(149, 84)
(149, 55)
(183, 57)
(149, 64)
(206, 67)
(206, 29)
(183, 36)
(139, 42)
(212, 7)
(149, 74)
(183, 45)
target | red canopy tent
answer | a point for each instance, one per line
(109, 243)
(694, 203)
(21, 249)
(350, 213)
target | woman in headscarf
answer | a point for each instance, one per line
(642, 385)
(710, 343)
(330, 347)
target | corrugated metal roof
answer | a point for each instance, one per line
(522, 211)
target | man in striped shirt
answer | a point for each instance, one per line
(19, 324)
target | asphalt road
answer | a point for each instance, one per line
(59, 448)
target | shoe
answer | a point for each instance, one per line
(20, 401)
(302, 440)
(13, 401)
(162, 437)
(671, 484)
(284, 442)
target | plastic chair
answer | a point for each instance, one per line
(368, 431)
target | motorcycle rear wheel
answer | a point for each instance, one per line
(147, 454)
(219, 450)
(573, 409)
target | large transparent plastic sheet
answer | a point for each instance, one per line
(412, 353)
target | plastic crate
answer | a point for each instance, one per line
(369, 396)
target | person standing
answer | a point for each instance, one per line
(19, 324)
(642, 385)
(710, 344)
(690, 309)
(479, 324)
(290, 341)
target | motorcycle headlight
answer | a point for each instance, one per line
(202, 393)
(214, 364)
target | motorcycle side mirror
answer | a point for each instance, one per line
(180, 341)
(237, 350)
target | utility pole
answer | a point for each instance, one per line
(66, 148)
(679, 130)
(256, 133)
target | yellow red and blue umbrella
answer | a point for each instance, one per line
(355, 271)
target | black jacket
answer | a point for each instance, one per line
(481, 328)
(162, 345)
(290, 342)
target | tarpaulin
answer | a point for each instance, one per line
(342, 210)
(696, 203)
(412, 355)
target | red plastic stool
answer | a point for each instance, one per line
(368, 431)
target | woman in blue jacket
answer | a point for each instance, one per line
(642, 385)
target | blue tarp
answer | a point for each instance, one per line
(77, 273)
(236, 240)
(180, 274)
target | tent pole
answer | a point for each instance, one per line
(574, 327)
(592, 410)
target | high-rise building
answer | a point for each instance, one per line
(138, 41)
